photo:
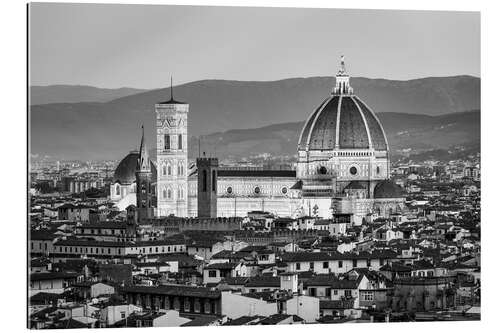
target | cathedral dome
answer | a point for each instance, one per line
(388, 189)
(342, 121)
(125, 171)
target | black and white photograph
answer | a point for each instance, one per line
(197, 165)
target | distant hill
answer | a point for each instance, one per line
(92, 130)
(404, 131)
(77, 94)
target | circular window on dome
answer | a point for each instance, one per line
(322, 170)
(284, 190)
(229, 190)
(353, 170)
(256, 190)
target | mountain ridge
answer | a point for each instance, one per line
(415, 133)
(102, 130)
(63, 93)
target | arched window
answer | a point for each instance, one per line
(180, 141)
(169, 170)
(180, 169)
(164, 170)
(117, 190)
(169, 194)
(164, 194)
(167, 141)
(204, 179)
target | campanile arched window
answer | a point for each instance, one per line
(180, 169)
(167, 141)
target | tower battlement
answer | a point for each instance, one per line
(207, 161)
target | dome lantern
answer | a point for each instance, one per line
(342, 86)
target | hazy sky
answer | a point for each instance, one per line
(142, 45)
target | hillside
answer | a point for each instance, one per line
(76, 94)
(404, 131)
(90, 130)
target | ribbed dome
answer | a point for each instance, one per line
(356, 124)
(388, 189)
(125, 171)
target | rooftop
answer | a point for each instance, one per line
(174, 290)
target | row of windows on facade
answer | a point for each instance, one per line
(353, 153)
(169, 194)
(96, 250)
(168, 142)
(39, 246)
(353, 170)
(256, 190)
(335, 292)
(103, 232)
(176, 304)
(167, 170)
(364, 295)
(326, 264)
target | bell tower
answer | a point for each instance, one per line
(171, 156)
(143, 179)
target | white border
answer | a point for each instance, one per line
(14, 161)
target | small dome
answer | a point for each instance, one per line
(357, 126)
(125, 171)
(388, 189)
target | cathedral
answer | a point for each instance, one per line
(342, 168)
